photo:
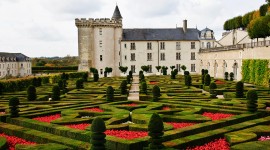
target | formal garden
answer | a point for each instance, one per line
(82, 111)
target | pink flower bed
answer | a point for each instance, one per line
(177, 125)
(126, 134)
(166, 108)
(81, 126)
(218, 144)
(96, 109)
(48, 118)
(219, 82)
(132, 104)
(13, 140)
(217, 116)
(153, 82)
(264, 138)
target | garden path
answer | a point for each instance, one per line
(134, 89)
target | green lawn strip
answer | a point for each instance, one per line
(48, 146)
(41, 137)
(211, 133)
(247, 135)
(254, 145)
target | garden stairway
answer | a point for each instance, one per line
(134, 89)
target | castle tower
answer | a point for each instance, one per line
(99, 43)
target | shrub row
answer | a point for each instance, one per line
(41, 68)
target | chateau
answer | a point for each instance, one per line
(104, 43)
(14, 64)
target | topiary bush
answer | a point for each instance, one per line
(202, 72)
(123, 87)
(141, 76)
(1, 88)
(173, 75)
(226, 76)
(110, 94)
(35, 82)
(39, 81)
(156, 93)
(130, 73)
(61, 84)
(128, 79)
(205, 71)
(79, 84)
(144, 88)
(55, 93)
(96, 77)
(155, 131)
(212, 88)
(85, 77)
(252, 98)
(231, 76)
(97, 134)
(14, 107)
(186, 73)
(207, 80)
(164, 70)
(31, 93)
(239, 89)
(188, 80)
(203, 75)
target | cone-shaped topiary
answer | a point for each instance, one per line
(173, 74)
(205, 71)
(79, 84)
(207, 80)
(202, 72)
(110, 94)
(156, 93)
(188, 80)
(85, 76)
(55, 93)
(31, 93)
(98, 136)
(130, 73)
(212, 87)
(226, 74)
(123, 87)
(128, 79)
(231, 76)
(14, 106)
(96, 77)
(144, 87)
(155, 131)
(239, 89)
(35, 82)
(252, 98)
(39, 81)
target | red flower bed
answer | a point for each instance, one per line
(177, 125)
(96, 109)
(13, 140)
(81, 126)
(218, 144)
(153, 82)
(166, 108)
(132, 104)
(48, 118)
(126, 134)
(217, 116)
(219, 82)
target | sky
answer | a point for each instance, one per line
(46, 28)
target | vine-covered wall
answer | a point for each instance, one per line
(255, 71)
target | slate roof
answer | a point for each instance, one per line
(170, 34)
(19, 56)
(206, 29)
(117, 14)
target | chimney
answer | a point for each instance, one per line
(185, 26)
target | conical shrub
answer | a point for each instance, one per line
(55, 93)
(14, 106)
(110, 94)
(239, 89)
(31, 93)
(98, 136)
(155, 131)
(252, 98)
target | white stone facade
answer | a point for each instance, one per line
(14, 64)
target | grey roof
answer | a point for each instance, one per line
(117, 14)
(206, 29)
(170, 34)
(19, 56)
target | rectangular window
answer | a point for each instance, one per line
(100, 57)
(162, 56)
(149, 56)
(192, 67)
(178, 46)
(125, 57)
(178, 56)
(133, 69)
(100, 31)
(149, 46)
(132, 57)
(192, 45)
(193, 56)
(100, 43)
(101, 71)
(178, 67)
(162, 45)
(132, 46)
(150, 69)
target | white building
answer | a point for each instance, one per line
(14, 64)
(104, 43)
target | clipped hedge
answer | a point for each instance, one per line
(3, 143)
(42, 68)
(255, 71)
(48, 146)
